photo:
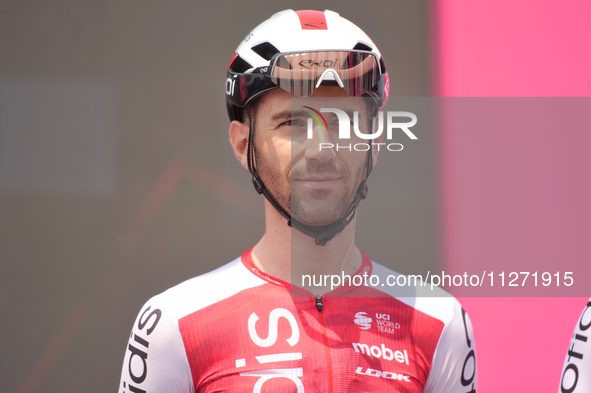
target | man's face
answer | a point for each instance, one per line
(315, 186)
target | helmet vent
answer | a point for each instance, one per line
(362, 46)
(239, 65)
(266, 50)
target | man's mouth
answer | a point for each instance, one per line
(317, 182)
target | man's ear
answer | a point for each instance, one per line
(239, 141)
(375, 151)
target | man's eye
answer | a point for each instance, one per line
(293, 123)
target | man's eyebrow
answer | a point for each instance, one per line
(286, 115)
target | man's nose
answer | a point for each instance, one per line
(320, 147)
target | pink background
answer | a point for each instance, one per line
(522, 48)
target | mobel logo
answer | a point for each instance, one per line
(392, 123)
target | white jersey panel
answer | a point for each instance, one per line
(436, 303)
(207, 289)
(155, 359)
(454, 363)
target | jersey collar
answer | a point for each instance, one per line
(246, 258)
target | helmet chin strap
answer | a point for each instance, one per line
(321, 234)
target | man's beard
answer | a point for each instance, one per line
(319, 207)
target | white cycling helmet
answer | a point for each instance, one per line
(299, 50)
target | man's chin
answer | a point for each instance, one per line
(317, 219)
(319, 225)
(319, 212)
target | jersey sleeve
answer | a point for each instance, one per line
(576, 372)
(453, 369)
(155, 359)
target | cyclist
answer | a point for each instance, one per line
(248, 326)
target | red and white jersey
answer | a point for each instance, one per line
(236, 329)
(576, 372)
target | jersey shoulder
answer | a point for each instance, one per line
(207, 289)
(453, 367)
(414, 292)
(155, 357)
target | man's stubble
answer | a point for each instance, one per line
(318, 207)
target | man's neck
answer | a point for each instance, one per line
(288, 254)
